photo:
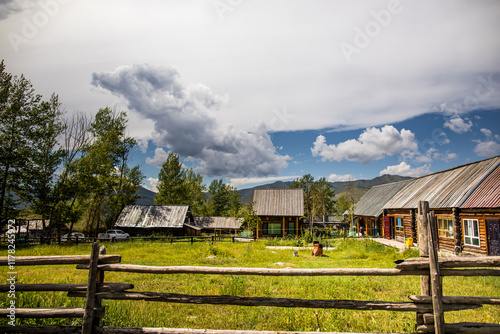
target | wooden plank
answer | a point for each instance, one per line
(151, 330)
(59, 312)
(465, 328)
(88, 317)
(451, 262)
(41, 329)
(423, 244)
(251, 271)
(459, 300)
(279, 302)
(67, 287)
(56, 260)
(435, 278)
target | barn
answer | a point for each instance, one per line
(149, 219)
(280, 211)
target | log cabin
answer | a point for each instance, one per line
(280, 211)
(465, 199)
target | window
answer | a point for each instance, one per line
(274, 228)
(445, 227)
(291, 228)
(471, 232)
(399, 225)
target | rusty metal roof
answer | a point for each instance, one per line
(486, 194)
(448, 189)
(153, 216)
(372, 202)
(217, 222)
(279, 202)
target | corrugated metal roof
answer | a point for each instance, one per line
(487, 194)
(446, 189)
(217, 222)
(279, 202)
(152, 216)
(372, 202)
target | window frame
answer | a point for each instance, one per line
(444, 231)
(271, 228)
(399, 228)
(469, 222)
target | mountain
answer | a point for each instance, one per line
(146, 196)
(360, 186)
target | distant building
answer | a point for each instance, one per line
(215, 225)
(148, 219)
(280, 211)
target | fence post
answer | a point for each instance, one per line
(423, 244)
(88, 317)
(99, 280)
(437, 291)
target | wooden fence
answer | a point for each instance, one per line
(429, 306)
(170, 239)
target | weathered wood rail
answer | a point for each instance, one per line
(429, 306)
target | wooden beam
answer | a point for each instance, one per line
(465, 328)
(458, 300)
(88, 316)
(452, 262)
(67, 287)
(58, 312)
(436, 289)
(56, 260)
(150, 330)
(278, 302)
(41, 329)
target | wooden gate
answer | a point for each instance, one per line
(493, 226)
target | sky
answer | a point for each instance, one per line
(256, 91)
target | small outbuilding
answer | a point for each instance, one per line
(148, 219)
(215, 225)
(280, 211)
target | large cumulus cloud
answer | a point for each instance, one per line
(184, 120)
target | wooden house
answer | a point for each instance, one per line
(215, 225)
(148, 219)
(280, 211)
(369, 211)
(466, 201)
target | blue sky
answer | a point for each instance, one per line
(264, 90)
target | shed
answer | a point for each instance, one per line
(222, 225)
(146, 219)
(280, 211)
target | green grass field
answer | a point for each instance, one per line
(347, 254)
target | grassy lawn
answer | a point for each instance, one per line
(347, 254)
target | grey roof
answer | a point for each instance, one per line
(151, 216)
(450, 188)
(279, 202)
(487, 194)
(372, 202)
(217, 222)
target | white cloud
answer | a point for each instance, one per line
(487, 132)
(339, 178)
(153, 184)
(403, 169)
(458, 124)
(488, 148)
(159, 158)
(185, 120)
(237, 182)
(373, 144)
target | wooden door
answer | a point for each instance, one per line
(493, 227)
(387, 227)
